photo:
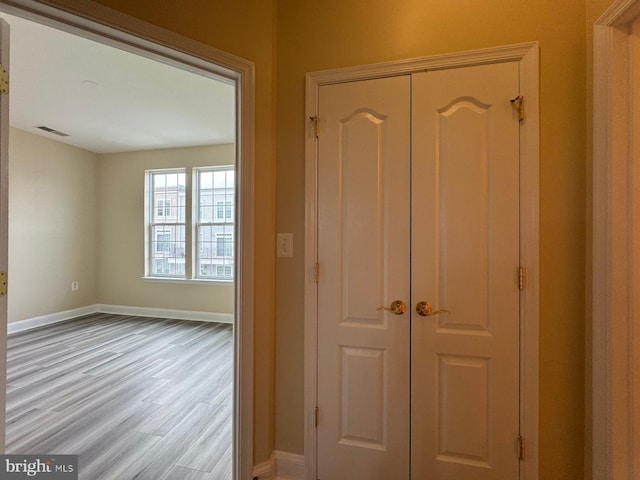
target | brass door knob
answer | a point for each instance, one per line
(397, 307)
(425, 309)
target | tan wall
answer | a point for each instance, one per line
(52, 226)
(121, 233)
(338, 33)
(245, 28)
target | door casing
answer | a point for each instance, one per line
(526, 54)
(94, 21)
(614, 452)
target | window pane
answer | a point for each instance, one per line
(214, 226)
(168, 250)
(167, 216)
(168, 191)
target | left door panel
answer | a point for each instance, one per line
(363, 252)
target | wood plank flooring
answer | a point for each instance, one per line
(135, 398)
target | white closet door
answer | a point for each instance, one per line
(363, 252)
(465, 259)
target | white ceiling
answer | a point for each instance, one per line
(109, 100)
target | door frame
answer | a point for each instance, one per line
(615, 416)
(527, 56)
(94, 21)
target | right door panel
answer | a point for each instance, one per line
(465, 259)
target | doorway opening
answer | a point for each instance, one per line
(235, 253)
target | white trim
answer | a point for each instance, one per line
(167, 313)
(4, 222)
(614, 442)
(403, 67)
(95, 21)
(35, 322)
(263, 471)
(281, 466)
(51, 318)
(288, 466)
(526, 54)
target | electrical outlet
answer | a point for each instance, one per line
(75, 286)
(285, 244)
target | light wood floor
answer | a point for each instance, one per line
(142, 398)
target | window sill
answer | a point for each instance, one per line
(187, 281)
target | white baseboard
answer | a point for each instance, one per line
(281, 466)
(35, 322)
(288, 466)
(29, 323)
(263, 471)
(167, 313)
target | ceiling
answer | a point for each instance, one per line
(108, 100)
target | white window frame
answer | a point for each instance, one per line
(156, 223)
(152, 212)
(223, 215)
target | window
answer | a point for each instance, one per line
(224, 245)
(210, 255)
(163, 241)
(167, 223)
(163, 207)
(224, 270)
(161, 267)
(215, 190)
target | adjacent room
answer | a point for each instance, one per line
(122, 257)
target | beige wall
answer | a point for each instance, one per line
(121, 234)
(337, 33)
(52, 226)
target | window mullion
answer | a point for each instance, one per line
(188, 231)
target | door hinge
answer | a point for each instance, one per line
(520, 447)
(316, 272)
(518, 103)
(521, 278)
(4, 80)
(316, 125)
(317, 414)
(3, 284)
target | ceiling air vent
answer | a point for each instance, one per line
(52, 130)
